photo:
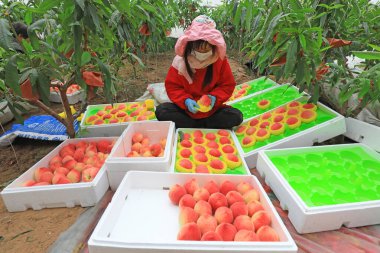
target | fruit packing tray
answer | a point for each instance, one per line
(231, 167)
(325, 187)
(141, 218)
(116, 117)
(19, 198)
(327, 124)
(251, 87)
(277, 96)
(118, 164)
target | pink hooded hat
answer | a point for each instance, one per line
(202, 28)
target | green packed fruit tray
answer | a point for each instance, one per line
(111, 120)
(325, 187)
(206, 151)
(251, 87)
(295, 124)
(275, 97)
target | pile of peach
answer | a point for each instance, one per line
(141, 147)
(79, 162)
(238, 93)
(229, 212)
(275, 123)
(209, 152)
(126, 112)
(73, 88)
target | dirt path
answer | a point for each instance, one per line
(34, 231)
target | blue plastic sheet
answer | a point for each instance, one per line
(40, 127)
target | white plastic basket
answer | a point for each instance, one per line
(141, 218)
(73, 98)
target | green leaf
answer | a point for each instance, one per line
(28, 47)
(137, 59)
(107, 80)
(77, 30)
(301, 65)
(86, 58)
(43, 87)
(5, 35)
(291, 56)
(377, 48)
(94, 16)
(18, 117)
(365, 84)
(303, 41)
(48, 5)
(28, 18)
(11, 75)
(367, 55)
(273, 23)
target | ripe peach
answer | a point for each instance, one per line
(28, 183)
(198, 133)
(155, 149)
(244, 222)
(185, 153)
(39, 171)
(74, 176)
(267, 234)
(227, 231)
(217, 200)
(261, 218)
(70, 164)
(224, 215)
(199, 140)
(62, 170)
(137, 137)
(199, 149)
(227, 186)
(186, 144)
(211, 186)
(79, 167)
(201, 194)
(89, 174)
(228, 149)
(60, 179)
(210, 136)
(187, 201)
(254, 206)
(203, 207)
(189, 232)
(191, 186)
(187, 215)
(211, 236)
(176, 192)
(243, 187)
(163, 142)
(79, 155)
(251, 195)
(186, 136)
(46, 177)
(201, 169)
(55, 160)
(246, 236)
(104, 146)
(239, 208)
(67, 150)
(207, 223)
(147, 154)
(67, 158)
(41, 183)
(136, 147)
(133, 154)
(234, 196)
(145, 142)
(224, 140)
(212, 144)
(215, 153)
(98, 122)
(223, 132)
(141, 118)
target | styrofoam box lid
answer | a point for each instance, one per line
(154, 130)
(141, 216)
(16, 185)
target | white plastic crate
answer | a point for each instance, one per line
(117, 162)
(363, 132)
(308, 137)
(309, 219)
(18, 198)
(73, 98)
(172, 167)
(141, 218)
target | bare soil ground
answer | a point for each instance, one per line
(34, 231)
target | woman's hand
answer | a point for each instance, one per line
(191, 105)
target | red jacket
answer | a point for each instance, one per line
(221, 86)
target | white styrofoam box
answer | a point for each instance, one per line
(363, 132)
(307, 219)
(308, 137)
(18, 198)
(117, 162)
(73, 98)
(141, 218)
(5, 113)
(172, 167)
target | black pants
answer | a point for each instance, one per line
(226, 118)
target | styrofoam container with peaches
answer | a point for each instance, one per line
(206, 151)
(173, 212)
(145, 146)
(295, 124)
(74, 94)
(71, 174)
(106, 120)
